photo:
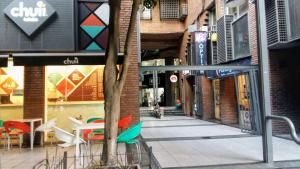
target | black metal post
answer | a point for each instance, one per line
(65, 163)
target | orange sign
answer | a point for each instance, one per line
(64, 87)
(9, 85)
(76, 77)
(2, 72)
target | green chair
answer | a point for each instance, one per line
(93, 119)
(96, 120)
(1, 123)
(129, 137)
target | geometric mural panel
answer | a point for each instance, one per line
(103, 38)
(88, 90)
(94, 19)
(64, 87)
(84, 39)
(92, 6)
(103, 13)
(94, 46)
(93, 31)
(76, 77)
(84, 12)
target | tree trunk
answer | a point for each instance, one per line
(114, 80)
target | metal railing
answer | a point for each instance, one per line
(154, 164)
(93, 161)
(290, 124)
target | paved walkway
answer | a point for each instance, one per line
(183, 142)
(26, 158)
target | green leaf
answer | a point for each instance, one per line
(149, 3)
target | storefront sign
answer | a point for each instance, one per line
(9, 85)
(71, 61)
(29, 15)
(173, 78)
(201, 48)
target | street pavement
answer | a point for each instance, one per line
(185, 142)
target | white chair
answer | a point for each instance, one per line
(68, 139)
(75, 123)
(46, 127)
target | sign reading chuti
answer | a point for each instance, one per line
(29, 15)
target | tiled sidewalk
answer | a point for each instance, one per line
(186, 142)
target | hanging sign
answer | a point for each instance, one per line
(173, 78)
(201, 48)
(29, 15)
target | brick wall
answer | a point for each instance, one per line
(285, 91)
(156, 25)
(253, 33)
(34, 92)
(130, 94)
(207, 99)
(219, 9)
(228, 103)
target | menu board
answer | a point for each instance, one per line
(80, 84)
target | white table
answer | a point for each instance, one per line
(31, 122)
(85, 127)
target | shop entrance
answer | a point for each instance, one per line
(231, 100)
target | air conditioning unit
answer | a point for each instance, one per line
(282, 26)
(224, 43)
(183, 11)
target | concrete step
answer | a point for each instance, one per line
(168, 113)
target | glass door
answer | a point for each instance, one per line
(244, 102)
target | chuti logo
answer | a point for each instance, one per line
(30, 14)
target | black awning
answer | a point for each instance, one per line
(60, 59)
(3, 60)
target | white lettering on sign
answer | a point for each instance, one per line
(68, 61)
(30, 14)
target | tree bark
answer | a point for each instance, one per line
(113, 79)
(111, 88)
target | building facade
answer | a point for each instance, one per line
(52, 60)
(230, 27)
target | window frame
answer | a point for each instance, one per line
(232, 39)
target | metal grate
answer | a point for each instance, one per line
(282, 25)
(276, 22)
(228, 20)
(224, 45)
(214, 53)
(221, 40)
(271, 22)
(169, 9)
(294, 18)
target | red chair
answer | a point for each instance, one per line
(124, 123)
(16, 129)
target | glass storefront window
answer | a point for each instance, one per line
(74, 91)
(244, 102)
(241, 37)
(11, 92)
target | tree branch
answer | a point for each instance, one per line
(128, 42)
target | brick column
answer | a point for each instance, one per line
(207, 98)
(229, 113)
(34, 92)
(130, 93)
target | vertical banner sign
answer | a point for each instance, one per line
(201, 48)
